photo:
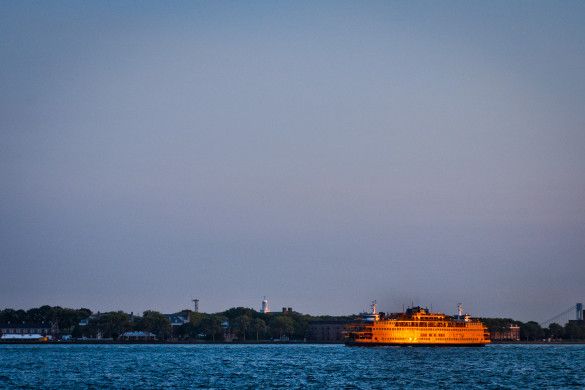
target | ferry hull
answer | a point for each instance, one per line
(442, 345)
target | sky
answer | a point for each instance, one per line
(322, 154)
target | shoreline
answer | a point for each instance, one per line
(266, 342)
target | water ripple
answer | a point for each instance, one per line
(286, 366)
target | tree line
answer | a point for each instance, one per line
(241, 323)
(64, 317)
(532, 331)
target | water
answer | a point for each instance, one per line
(308, 366)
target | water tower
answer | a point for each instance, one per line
(264, 308)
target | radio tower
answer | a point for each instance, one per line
(195, 305)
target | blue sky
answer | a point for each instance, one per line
(321, 154)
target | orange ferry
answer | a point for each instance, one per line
(417, 326)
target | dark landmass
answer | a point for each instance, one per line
(240, 325)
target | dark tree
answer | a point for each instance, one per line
(259, 326)
(555, 331)
(155, 322)
(282, 325)
(111, 324)
(241, 325)
(531, 331)
(212, 326)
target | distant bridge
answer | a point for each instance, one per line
(574, 312)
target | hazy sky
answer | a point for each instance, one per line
(320, 153)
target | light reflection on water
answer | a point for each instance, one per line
(266, 366)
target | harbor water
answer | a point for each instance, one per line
(290, 366)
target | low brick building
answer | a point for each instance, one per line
(512, 333)
(326, 331)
